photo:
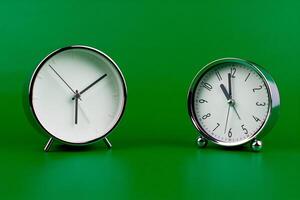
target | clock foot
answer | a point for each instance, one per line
(48, 145)
(256, 145)
(107, 142)
(201, 142)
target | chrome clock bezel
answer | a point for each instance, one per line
(274, 100)
(41, 64)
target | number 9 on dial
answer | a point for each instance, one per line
(233, 102)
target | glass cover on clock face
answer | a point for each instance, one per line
(231, 102)
(78, 95)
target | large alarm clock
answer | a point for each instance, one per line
(77, 95)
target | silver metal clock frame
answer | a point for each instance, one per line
(52, 137)
(273, 112)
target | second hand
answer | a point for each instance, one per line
(227, 118)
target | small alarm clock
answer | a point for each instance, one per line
(77, 95)
(232, 102)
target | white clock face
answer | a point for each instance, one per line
(231, 103)
(78, 95)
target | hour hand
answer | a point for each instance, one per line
(225, 92)
(90, 85)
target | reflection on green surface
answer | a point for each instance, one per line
(159, 46)
(149, 172)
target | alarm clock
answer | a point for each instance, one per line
(233, 102)
(77, 94)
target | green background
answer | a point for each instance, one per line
(159, 46)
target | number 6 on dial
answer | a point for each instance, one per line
(232, 102)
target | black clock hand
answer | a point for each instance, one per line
(92, 84)
(62, 79)
(229, 85)
(76, 107)
(225, 92)
(230, 101)
(230, 95)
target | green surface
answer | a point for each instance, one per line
(159, 46)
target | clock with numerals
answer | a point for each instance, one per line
(233, 102)
(77, 95)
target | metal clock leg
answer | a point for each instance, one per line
(201, 142)
(48, 145)
(107, 142)
(256, 145)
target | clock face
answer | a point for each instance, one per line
(78, 94)
(231, 103)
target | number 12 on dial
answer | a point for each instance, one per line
(233, 102)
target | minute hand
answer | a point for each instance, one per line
(93, 83)
(229, 85)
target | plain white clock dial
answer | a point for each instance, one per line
(240, 119)
(101, 94)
